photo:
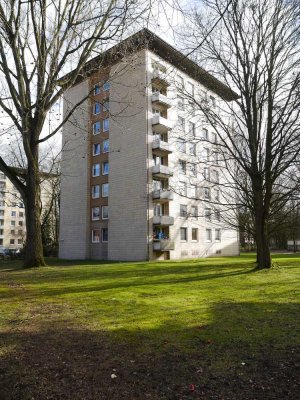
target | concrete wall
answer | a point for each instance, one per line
(128, 205)
(74, 218)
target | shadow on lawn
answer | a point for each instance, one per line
(58, 360)
(74, 282)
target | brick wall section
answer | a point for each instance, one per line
(128, 203)
(75, 191)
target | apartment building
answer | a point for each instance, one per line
(12, 216)
(138, 181)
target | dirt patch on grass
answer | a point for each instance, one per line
(78, 364)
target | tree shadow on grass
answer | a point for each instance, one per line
(248, 351)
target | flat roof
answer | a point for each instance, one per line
(148, 40)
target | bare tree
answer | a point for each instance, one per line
(255, 51)
(39, 42)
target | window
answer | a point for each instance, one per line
(194, 234)
(21, 205)
(207, 214)
(192, 129)
(106, 86)
(106, 106)
(104, 235)
(20, 232)
(12, 232)
(217, 194)
(20, 223)
(194, 211)
(1, 222)
(96, 149)
(208, 235)
(21, 214)
(105, 189)
(97, 108)
(181, 145)
(13, 214)
(183, 210)
(193, 169)
(205, 133)
(181, 123)
(215, 157)
(218, 215)
(1, 213)
(183, 188)
(105, 168)
(182, 166)
(215, 176)
(19, 241)
(213, 137)
(180, 103)
(192, 149)
(95, 213)
(13, 223)
(106, 125)
(12, 241)
(95, 192)
(95, 235)
(96, 128)
(180, 82)
(206, 173)
(104, 212)
(207, 193)
(206, 154)
(97, 89)
(190, 88)
(193, 191)
(1, 232)
(213, 101)
(183, 234)
(218, 235)
(192, 108)
(96, 170)
(106, 146)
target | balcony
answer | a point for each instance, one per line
(162, 195)
(163, 220)
(161, 147)
(163, 245)
(160, 77)
(161, 99)
(161, 124)
(161, 171)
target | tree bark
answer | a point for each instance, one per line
(33, 256)
(263, 256)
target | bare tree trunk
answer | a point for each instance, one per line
(263, 256)
(33, 248)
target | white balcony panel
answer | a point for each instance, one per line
(161, 99)
(163, 245)
(161, 171)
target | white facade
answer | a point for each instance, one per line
(158, 205)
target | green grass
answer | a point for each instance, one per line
(222, 294)
(220, 305)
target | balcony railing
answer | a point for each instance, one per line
(161, 171)
(161, 147)
(161, 124)
(164, 220)
(161, 77)
(162, 195)
(161, 99)
(163, 245)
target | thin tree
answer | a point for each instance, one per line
(255, 51)
(39, 42)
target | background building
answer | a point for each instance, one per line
(12, 216)
(138, 181)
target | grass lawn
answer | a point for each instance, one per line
(204, 329)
